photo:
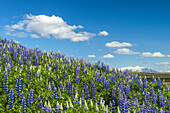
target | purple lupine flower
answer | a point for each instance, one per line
(154, 97)
(5, 80)
(132, 84)
(94, 91)
(91, 83)
(31, 94)
(65, 75)
(82, 94)
(113, 92)
(73, 90)
(11, 98)
(159, 83)
(148, 97)
(139, 96)
(153, 79)
(145, 82)
(55, 94)
(152, 90)
(103, 79)
(57, 109)
(70, 88)
(107, 69)
(87, 91)
(77, 80)
(23, 105)
(107, 84)
(141, 86)
(127, 90)
(40, 104)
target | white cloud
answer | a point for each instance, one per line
(163, 63)
(91, 56)
(136, 68)
(108, 56)
(17, 34)
(125, 51)
(168, 55)
(118, 44)
(103, 33)
(155, 54)
(34, 36)
(47, 26)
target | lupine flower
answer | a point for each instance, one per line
(76, 98)
(40, 104)
(57, 109)
(159, 83)
(11, 98)
(86, 107)
(94, 91)
(87, 92)
(71, 105)
(145, 82)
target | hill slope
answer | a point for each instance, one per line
(35, 81)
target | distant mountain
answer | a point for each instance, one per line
(138, 69)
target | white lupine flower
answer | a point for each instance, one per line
(45, 103)
(67, 104)
(101, 101)
(57, 104)
(40, 78)
(49, 104)
(106, 109)
(118, 109)
(71, 105)
(80, 102)
(16, 68)
(97, 109)
(86, 107)
(48, 54)
(91, 103)
(61, 107)
(49, 85)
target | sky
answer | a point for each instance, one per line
(119, 32)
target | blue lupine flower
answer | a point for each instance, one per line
(40, 104)
(11, 98)
(94, 91)
(153, 79)
(145, 82)
(159, 83)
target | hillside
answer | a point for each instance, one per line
(33, 81)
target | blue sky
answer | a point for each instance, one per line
(137, 33)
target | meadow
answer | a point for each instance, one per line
(33, 81)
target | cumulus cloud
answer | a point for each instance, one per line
(103, 33)
(118, 44)
(47, 26)
(91, 56)
(17, 34)
(155, 54)
(34, 36)
(108, 56)
(168, 55)
(125, 51)
(165, 64)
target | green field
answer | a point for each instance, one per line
(162, 76)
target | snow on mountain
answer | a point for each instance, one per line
(138, 69)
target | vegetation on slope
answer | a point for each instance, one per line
(35, 81)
